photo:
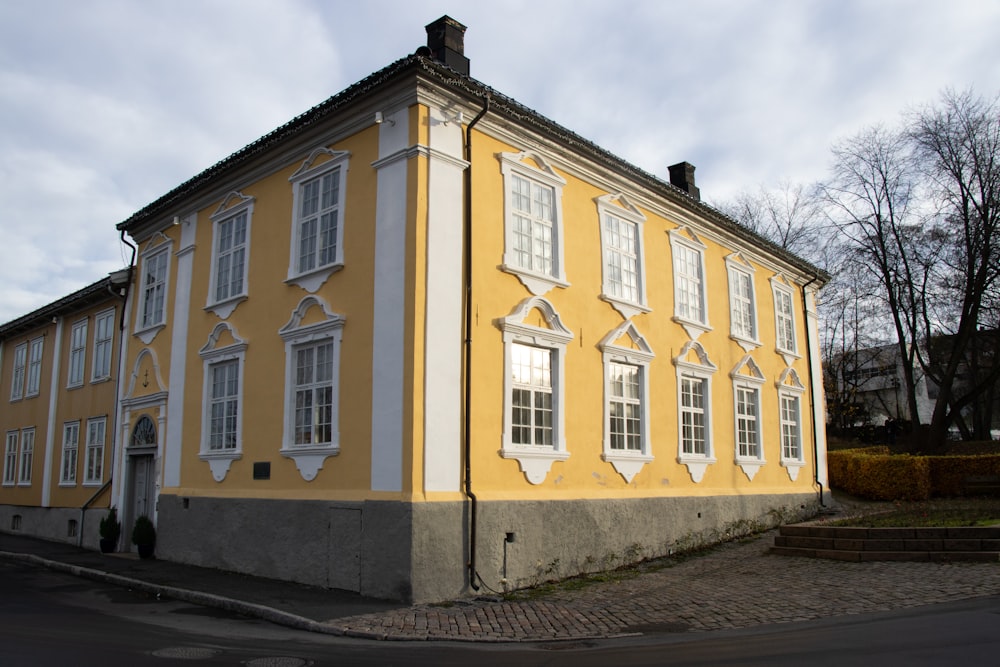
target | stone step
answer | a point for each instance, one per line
(861, 544)
(898, 556)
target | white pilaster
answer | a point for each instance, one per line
(178, 355)
(50, 431)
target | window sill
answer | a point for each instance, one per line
(94, 484)
(149, 333)
(537, 283)
(67, 485)
(309, 459)
(101, 380)
(750, 466)
(312, 280)
(535, 462)
(627, 309)
(788, 355)
(220, 461)
(75, 385)
(692, 327)
(223, 309)
(792, 467)
(627, 464)
(696, 465)
(748, 344)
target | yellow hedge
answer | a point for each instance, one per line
(874, 473)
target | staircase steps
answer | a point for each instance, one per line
(968, 544)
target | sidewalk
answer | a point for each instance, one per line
(735, 585)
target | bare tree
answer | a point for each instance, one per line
(786, 216)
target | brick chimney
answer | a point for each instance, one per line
(446, 41)
(682, 176)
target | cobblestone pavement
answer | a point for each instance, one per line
(736, 585)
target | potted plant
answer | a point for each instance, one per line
(110, 529)
(144, 536)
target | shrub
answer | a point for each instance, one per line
(872, 473)
(144, 533)
(950, 474)
(110, 527)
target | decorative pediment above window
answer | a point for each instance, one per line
(233, 202)
(747, 370)
(700, 362)
(548, 326)
(223, 340)
(626, 341)
(318, 159)
(303, 322)
(789, 381)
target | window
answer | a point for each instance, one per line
(318, 218)
(621, 239)
(690, 306)
(533, 243)
(747, 380)
(626, 356)
(154, 288)
(790, 391)
(27, 456)
(95, 450)
(71, 442)
(103, 338)
(531, 398)
(312, 382)
(10, 459)
(784, 317)
(231, 243)
(77, 353)
(20, 365)
(224, 355)
(534, 406)
(742, 302)
(35, 366)
(694, 409)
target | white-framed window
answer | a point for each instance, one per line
(34, 367)
(318, 189)
(20, 370)
(784, 317)
(747, 422)
(694, 409)
(224, 357)
(10, 459)
(626, 356)
(312, 386)
(230, 253)
(624, 273)
(534, 388)
(70, 450)
(153, 292)
(104, 334)
(27, 455)
(790, 392)
(77, 353)
(533, 221)
(690, 303)
(94, 468)
(742, 302)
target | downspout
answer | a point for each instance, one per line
(812, 390)
(467, 408)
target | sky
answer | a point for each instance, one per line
(106, 105)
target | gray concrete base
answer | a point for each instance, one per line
(57, 524)
(420, 552)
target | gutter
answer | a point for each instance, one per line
(467, 407)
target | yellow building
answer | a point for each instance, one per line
(59, 371)
(421, 339)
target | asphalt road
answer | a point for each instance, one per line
(48, 618)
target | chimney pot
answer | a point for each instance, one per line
(446, 41)
(682, 176)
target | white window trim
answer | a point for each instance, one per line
(33, 377)
(536, 461)
(747, 375)
(97, 376)
(779, 284)
(20, 372)
(228, 210)
(72, 382)
(63, 479)
(789, 385)
(313, 279)
(24, 471)
(626, 211)
(738, 266)
(219, 461)
(158, 245)
(309, 459)
(684, 237)
(627, 463)
(10, 458)
(87, 480)
(537, 282)
(703, 369)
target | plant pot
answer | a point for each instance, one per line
(145, 550)
(107, 545)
